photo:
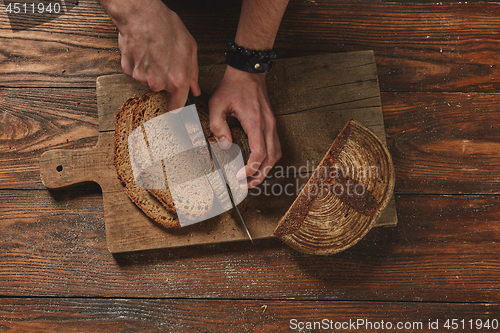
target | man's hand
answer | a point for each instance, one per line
(156, 48)
(244, 96)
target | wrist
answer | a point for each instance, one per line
(253, 42)
(234, 74)
(248, 60)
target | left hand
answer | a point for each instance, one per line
(244, 96)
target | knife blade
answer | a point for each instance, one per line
(191, 100)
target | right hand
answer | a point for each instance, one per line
(244, 96)
(157, 50)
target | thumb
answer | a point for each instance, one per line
(219, 127)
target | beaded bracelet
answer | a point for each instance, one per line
(248, 60)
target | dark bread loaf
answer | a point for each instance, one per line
(344, 197)
(158, 204)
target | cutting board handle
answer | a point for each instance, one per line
(62, 168)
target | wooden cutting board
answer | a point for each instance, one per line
(313, 97)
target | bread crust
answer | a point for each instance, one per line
(325, 221)
(141, 197)
(192, 202)
(159, 204)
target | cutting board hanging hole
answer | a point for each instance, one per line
(60, 168)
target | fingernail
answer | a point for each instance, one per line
(241, 174)
(224, 143)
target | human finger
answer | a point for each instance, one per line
(272, 156)
(257, 143)
(176, 98)
(218, 124)
(195, 87)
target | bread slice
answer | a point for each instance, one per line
(142, 198)
(143, 112)
(194, 195)
(158, 204)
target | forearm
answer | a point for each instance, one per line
(123, 12)
(259, 23)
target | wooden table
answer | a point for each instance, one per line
(439, 77)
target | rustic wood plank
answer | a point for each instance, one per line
(445, 144)
(34, 120)
(32, 59)
(430, 156)
(346, 82)
(418, 47)
(119, 315)
(445, 249)
(69, 49)
(78, 20)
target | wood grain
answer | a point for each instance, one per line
(35, 120)
(445, 249)
(418, 46)
(444, 144)
(119, 315)
(352, 83)
(436, 147)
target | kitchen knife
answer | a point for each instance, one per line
(218, 167)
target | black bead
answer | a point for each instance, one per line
(232, 47)
(261, 55)
(241, 49)
(247, 52)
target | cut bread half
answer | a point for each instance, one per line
(344, 197)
